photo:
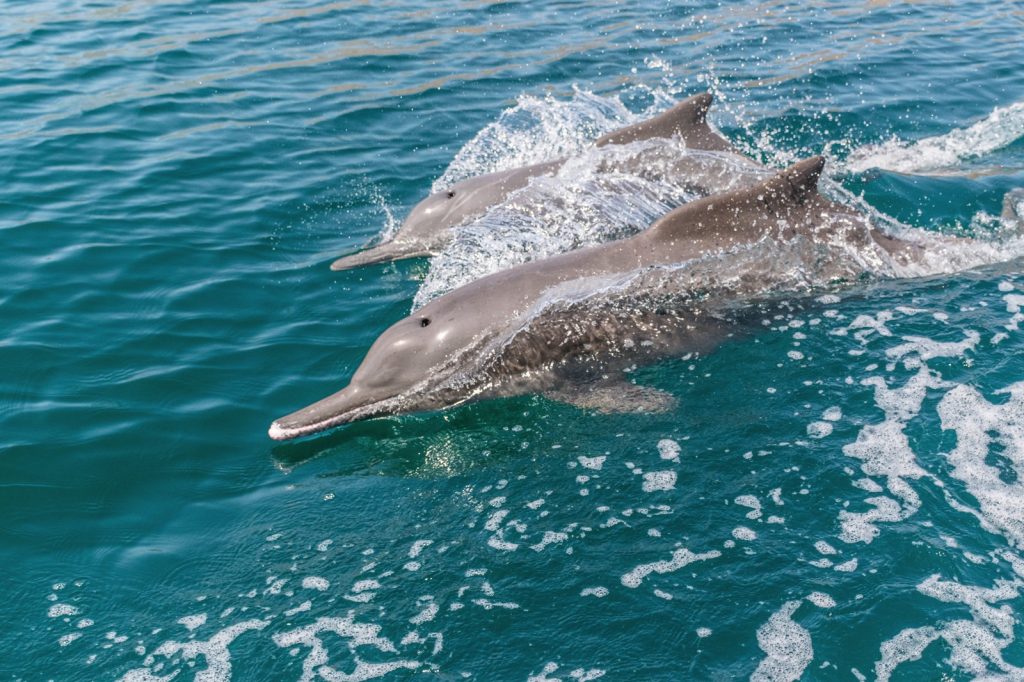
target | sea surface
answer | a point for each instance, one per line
(838, 496)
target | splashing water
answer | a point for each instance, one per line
(540, 129)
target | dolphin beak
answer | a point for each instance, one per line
(384, 253)
(340, 408)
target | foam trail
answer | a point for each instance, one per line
(1002, 127)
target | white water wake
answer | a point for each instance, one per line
(1002, 127)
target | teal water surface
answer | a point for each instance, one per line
(837, 496)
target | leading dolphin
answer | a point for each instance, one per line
(522, 330)
(428, 227)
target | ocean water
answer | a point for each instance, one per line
(838, 496)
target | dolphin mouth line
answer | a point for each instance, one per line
(377, 408)
(279, 431)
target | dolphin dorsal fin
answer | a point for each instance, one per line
(687, 120)
(794, 185)
(743, 211)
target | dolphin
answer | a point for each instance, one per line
(428, 227)
(543, 325)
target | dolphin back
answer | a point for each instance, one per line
(742, 214)
(687, 120)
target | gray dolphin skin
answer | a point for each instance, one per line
(428, 227)
(502, 335)
(1013, 208)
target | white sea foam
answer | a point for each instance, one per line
(976, 645)
(824, 548)
(364, 586)
(884, 450)
(751, 502)
(819, 429)
(787, 646)
(193, 622)
(355, 635)
(579, 674)
(668, 449)
(60, 610)
(70, 637)
(549, 538)
(214, 652)
(680, 558)
(499, 543)
(744, 533)
(908, 645)
(313, 582)
(659, 480)
(429, 611)
(418, 547)
(487, 604)
(925, 349)
(821, 600)
(495, 520)
(986, 433)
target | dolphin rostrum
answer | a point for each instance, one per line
(428, 227)
(529, 328)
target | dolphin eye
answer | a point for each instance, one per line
(451, 194)
(425, 322)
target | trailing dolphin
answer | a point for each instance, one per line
(428, 227)
(564, 326)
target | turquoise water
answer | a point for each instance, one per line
(838, 494)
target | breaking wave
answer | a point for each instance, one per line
(1002, 127)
